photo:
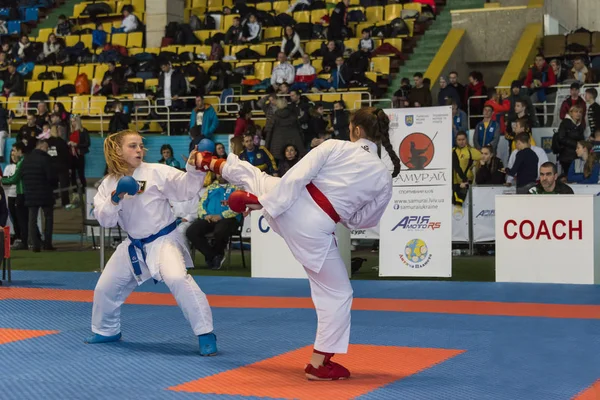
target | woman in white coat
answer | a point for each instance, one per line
(338, 181)
(154, 248)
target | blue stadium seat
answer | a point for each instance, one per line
(14, 27)
(32, 14)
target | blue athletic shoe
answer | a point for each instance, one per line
(208, 344)
(96, 338)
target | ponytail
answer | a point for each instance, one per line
(383, 122)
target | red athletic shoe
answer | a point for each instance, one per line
(240, 200)
(329, 371)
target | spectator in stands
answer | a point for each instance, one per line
(51, 49)
(525, 168)
(301, 108)
(166, 151)
(573, 100)
(561, 74)
(282, 73)
(419, 96)
(251, 30)
(59, 153)
(464, 159)
(289, 158)
(488, 171)
(580, 72)
(595, 140)
(28, 133)
(366, 42)
(260, 157)
(400, 98)
(286, 130)
(340, 121)
(569, 133)
(460, 89)
(520, 107)
(43, 115)
(220, 150)
(593, 110)
(234, 32)
(99, 36)
(204, 118)
(63, 26)
(317, 132)
(330, 54)
(584, 169)
(549, 183)
(477, 89)
(79, 145)
(459, 120)
(18, 210)
(290, 44)
(14, 84)
(45, 132)
(338, 22)
(112, 80)
(267, 105)
(520, 128)
(3, 65)
(56, 122)
(539, 79)
(446, 93)
(305, 75)
(242, 123)
(130, 21)
(214, 216)
(120, 120)
(38, 180)
(500, 106)
(487, 131)
(23, 50)
(171, 86)
(339, 79)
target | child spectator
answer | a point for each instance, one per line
(366, 43)
(525, 168)
(99, 36)
(63, 27)
(45, 132)
(166, 151)
(130, 21)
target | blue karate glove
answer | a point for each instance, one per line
(126, 185)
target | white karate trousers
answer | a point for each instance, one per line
(118, 281)
(330, 286)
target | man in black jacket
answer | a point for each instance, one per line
(338, 21)
(549, 183)
(593, 110)
(171, 86)
(14, 85)
(38, 180)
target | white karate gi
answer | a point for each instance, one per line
(167, 257)
(358, 185)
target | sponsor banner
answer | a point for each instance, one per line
(548, 239)
(416, 228)
(484, 210)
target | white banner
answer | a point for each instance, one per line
(416, 229)
(484, 211)
(460, 222)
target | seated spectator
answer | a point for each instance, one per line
(166, 151)
(340, 78)
(204, 118)
(525, 168)
(572, 101)
(340, 121)
(290, 44)
(99, 36)
(459, 121)
(330, 54)
(282, 73)
(251, 30)
(4, 62)
(63, 26)
(549, 183)
(464, 159)
(214, 216)
(595, 140)
(488, 171)
(584, 169)
(476, 89)
(486, 131)
(366, 43)
(260, 157)
(112, 80)
(51, 49)
(289, 158)
(23, 51)
(570, 131)
(420, 95)
(28, 133)
(447, 93)
(338, 22)
(120, 119)
(592, 118)
(286, 130)
(130, 22)
(580, 72)
(539, 79)
(305, 75)
(234, 33)
(14, 84)
(561, 74)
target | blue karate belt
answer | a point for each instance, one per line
(139, 243)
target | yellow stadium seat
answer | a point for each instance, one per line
(87, 69)
(312, 46)
(107, 26)
(259, 48)
(150, 83)
(70, 73)
(81, 105)
(65, 101)
(97, 104)
(203, 49)
(280, 7)
(316, 15)
(352, 100)
(262, 70)
(152, 50)
(301, 17)
(393, 11)
(361, 26)
(264, 6)
(172, 49)
(381, 65)
(139, 6)
(99, 72)
(33, 86)
(16, 104)
(414, 6)
(227, 20)
(43, 34)
(353, 43)
(78, 9)
(272, 32)
(135, 39)
(135, 50)
(314, 97)
(119, 39)
(91, 26)
(374, 14)
(55, 68)
(49, 85)
(86, 40)
(37, 70)
(119, 6)
(318, 64)
(330, 97)
(214, 3)
(371, 75)
(202, 35)
(116, 24)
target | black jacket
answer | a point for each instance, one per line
(16, 84)
(489, 174)
(39, 178)
(178, 84)
(593, 114)
(58, 150)
(568, 136)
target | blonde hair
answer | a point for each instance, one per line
(76, 123)
(117, 167)
(281, 103)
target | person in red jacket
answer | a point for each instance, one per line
(500, 106)
(476, 88)
(539, 78)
